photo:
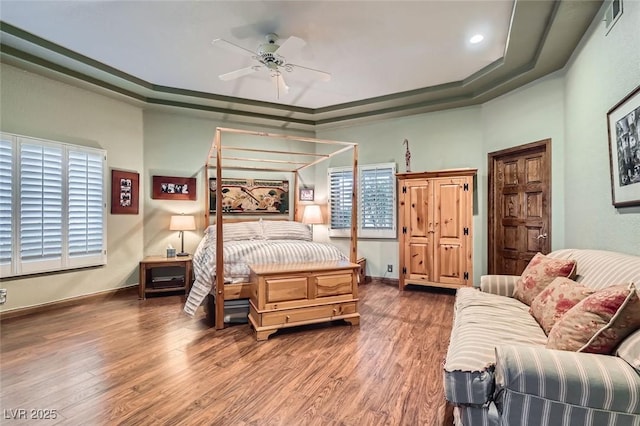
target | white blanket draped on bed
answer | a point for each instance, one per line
(238, 255)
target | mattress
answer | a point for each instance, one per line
(238, 255)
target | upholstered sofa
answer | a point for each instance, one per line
(499, 371)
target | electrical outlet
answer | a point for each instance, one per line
(3, 296)
(389, 268)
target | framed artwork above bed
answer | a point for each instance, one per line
(251, 196)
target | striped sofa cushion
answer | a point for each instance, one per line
(476, 416)
(629, 350)
(482, 321)
(502, 285)
(599, 269)
(565, 388)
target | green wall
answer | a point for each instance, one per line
(37, 106)
(603, 70)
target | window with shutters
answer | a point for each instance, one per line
(52, 206)
(376, 212)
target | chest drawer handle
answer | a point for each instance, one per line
(288, 318)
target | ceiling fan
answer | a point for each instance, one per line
(271, 57)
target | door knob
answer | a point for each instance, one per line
(542, 236)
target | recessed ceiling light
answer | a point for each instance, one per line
(476, 38)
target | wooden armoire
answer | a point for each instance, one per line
(436, 228)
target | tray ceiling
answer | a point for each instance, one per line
(386, 59)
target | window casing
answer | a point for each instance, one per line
(376, 201)
(52, 206)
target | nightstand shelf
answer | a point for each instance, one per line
(150, 283)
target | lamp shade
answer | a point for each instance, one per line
(182, 223)
(312, 215)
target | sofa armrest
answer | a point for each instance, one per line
(548, 385)
(502, 285)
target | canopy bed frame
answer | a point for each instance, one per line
(237, 158)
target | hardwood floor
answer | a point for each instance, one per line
(131, 362)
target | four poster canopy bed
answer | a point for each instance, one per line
(288, 279)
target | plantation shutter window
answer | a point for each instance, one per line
(40, 207)
(376, 212)
(340, 201)
(54, 213)
(377, 201)
(86, 202)
(6, 215)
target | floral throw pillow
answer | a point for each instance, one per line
(555, 300)
(598, 323)
(539, 273)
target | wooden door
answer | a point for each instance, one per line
(451, 230)
(416, 250)
(519, 206)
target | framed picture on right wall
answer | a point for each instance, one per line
(623, 123)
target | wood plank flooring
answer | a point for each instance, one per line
(130, 362)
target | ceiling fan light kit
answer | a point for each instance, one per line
(271, 57)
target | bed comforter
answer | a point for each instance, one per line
(238, 255)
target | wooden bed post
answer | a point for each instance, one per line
(206, 195)
(353, 253)
(296, 191)
(219, 238)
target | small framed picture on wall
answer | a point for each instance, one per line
(124, 192)
(306, 194)
(173, 188)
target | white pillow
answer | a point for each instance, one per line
(285, 230)
(238, 231)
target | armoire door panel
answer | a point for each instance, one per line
(450, 264)
(419, 260)
(418, 202)
(448, 204)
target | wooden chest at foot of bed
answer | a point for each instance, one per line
(295, 294)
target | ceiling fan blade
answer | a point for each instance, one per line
(291, 47)
(320, 75)
(231, 47)
(238, 73)
(281, 85)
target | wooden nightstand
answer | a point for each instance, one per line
(362, 277)
(149, 283)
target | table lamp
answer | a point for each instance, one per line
(182, 223)
(312, 215)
